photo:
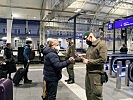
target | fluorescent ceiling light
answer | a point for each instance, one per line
(34, 17)
(4, 38)
(16, 38)
(15, 15)
(28, 39)
(78, 10)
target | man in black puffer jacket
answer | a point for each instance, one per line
(53, 68)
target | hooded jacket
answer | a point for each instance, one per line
(53, 65)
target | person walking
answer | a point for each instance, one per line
(53, 68)
(70, 69)
(26, 54)
(96, 56)
(9, 59)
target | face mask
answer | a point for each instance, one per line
(88, 42)
(57, 48)
(30, 45)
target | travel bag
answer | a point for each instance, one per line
(19, 75)
(6, 89)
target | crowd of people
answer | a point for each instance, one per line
(52, 72)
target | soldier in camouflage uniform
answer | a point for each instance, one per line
(70, 53)
(95, 58)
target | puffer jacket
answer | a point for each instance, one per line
(53, 65)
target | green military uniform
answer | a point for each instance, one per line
(70, 53)
(96, 54)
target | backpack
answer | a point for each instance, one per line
(20, 54)
(32, 54)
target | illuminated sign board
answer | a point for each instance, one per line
(110, 26)
(123, 23)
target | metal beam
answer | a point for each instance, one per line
(91, 3)
(61, 5)
(73, 23)
(32, 8)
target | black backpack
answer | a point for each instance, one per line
(32, 54)
(21, 56)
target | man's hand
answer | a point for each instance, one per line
(72, 59)
(85, 61)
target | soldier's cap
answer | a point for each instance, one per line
(86, 35)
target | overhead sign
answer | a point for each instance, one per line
(123, 23)
(110, 26)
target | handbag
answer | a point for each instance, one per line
(104, 77)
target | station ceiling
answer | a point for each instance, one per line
(91, 11)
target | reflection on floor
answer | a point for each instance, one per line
(69, 91)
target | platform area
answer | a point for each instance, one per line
(66, 91)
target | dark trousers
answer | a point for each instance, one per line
(51, 90)
(70, 71)
(26, 65)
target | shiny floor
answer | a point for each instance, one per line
(74, 91)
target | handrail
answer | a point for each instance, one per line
(120, 58)
(119, 54)
(130, 68)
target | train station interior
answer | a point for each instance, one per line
(42, 20)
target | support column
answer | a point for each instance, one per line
(74, 38)
(42, 33)
(113, 38)
(9, 30)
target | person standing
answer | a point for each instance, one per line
(26, 54)
(96, 56)
(70, 69)
(53, 68)
(124, 49)
(9, 59)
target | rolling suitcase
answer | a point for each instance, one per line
(19, 75)
(6, 89)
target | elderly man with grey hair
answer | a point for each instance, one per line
(53, 68)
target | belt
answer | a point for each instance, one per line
(91, 72)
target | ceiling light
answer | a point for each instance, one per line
(15, 15)
(16, 38)
(28, 39)
(77, 10)
(34, 17)
(4, 38)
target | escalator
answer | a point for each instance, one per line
(130, 72)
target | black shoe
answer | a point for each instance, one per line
(27, 81)
(70, 82)
(43, 98)
(67, 80)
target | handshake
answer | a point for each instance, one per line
(71, 59)
(84, 60)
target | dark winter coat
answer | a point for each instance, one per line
(124, 50)
(9, 59)
(53, 65)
